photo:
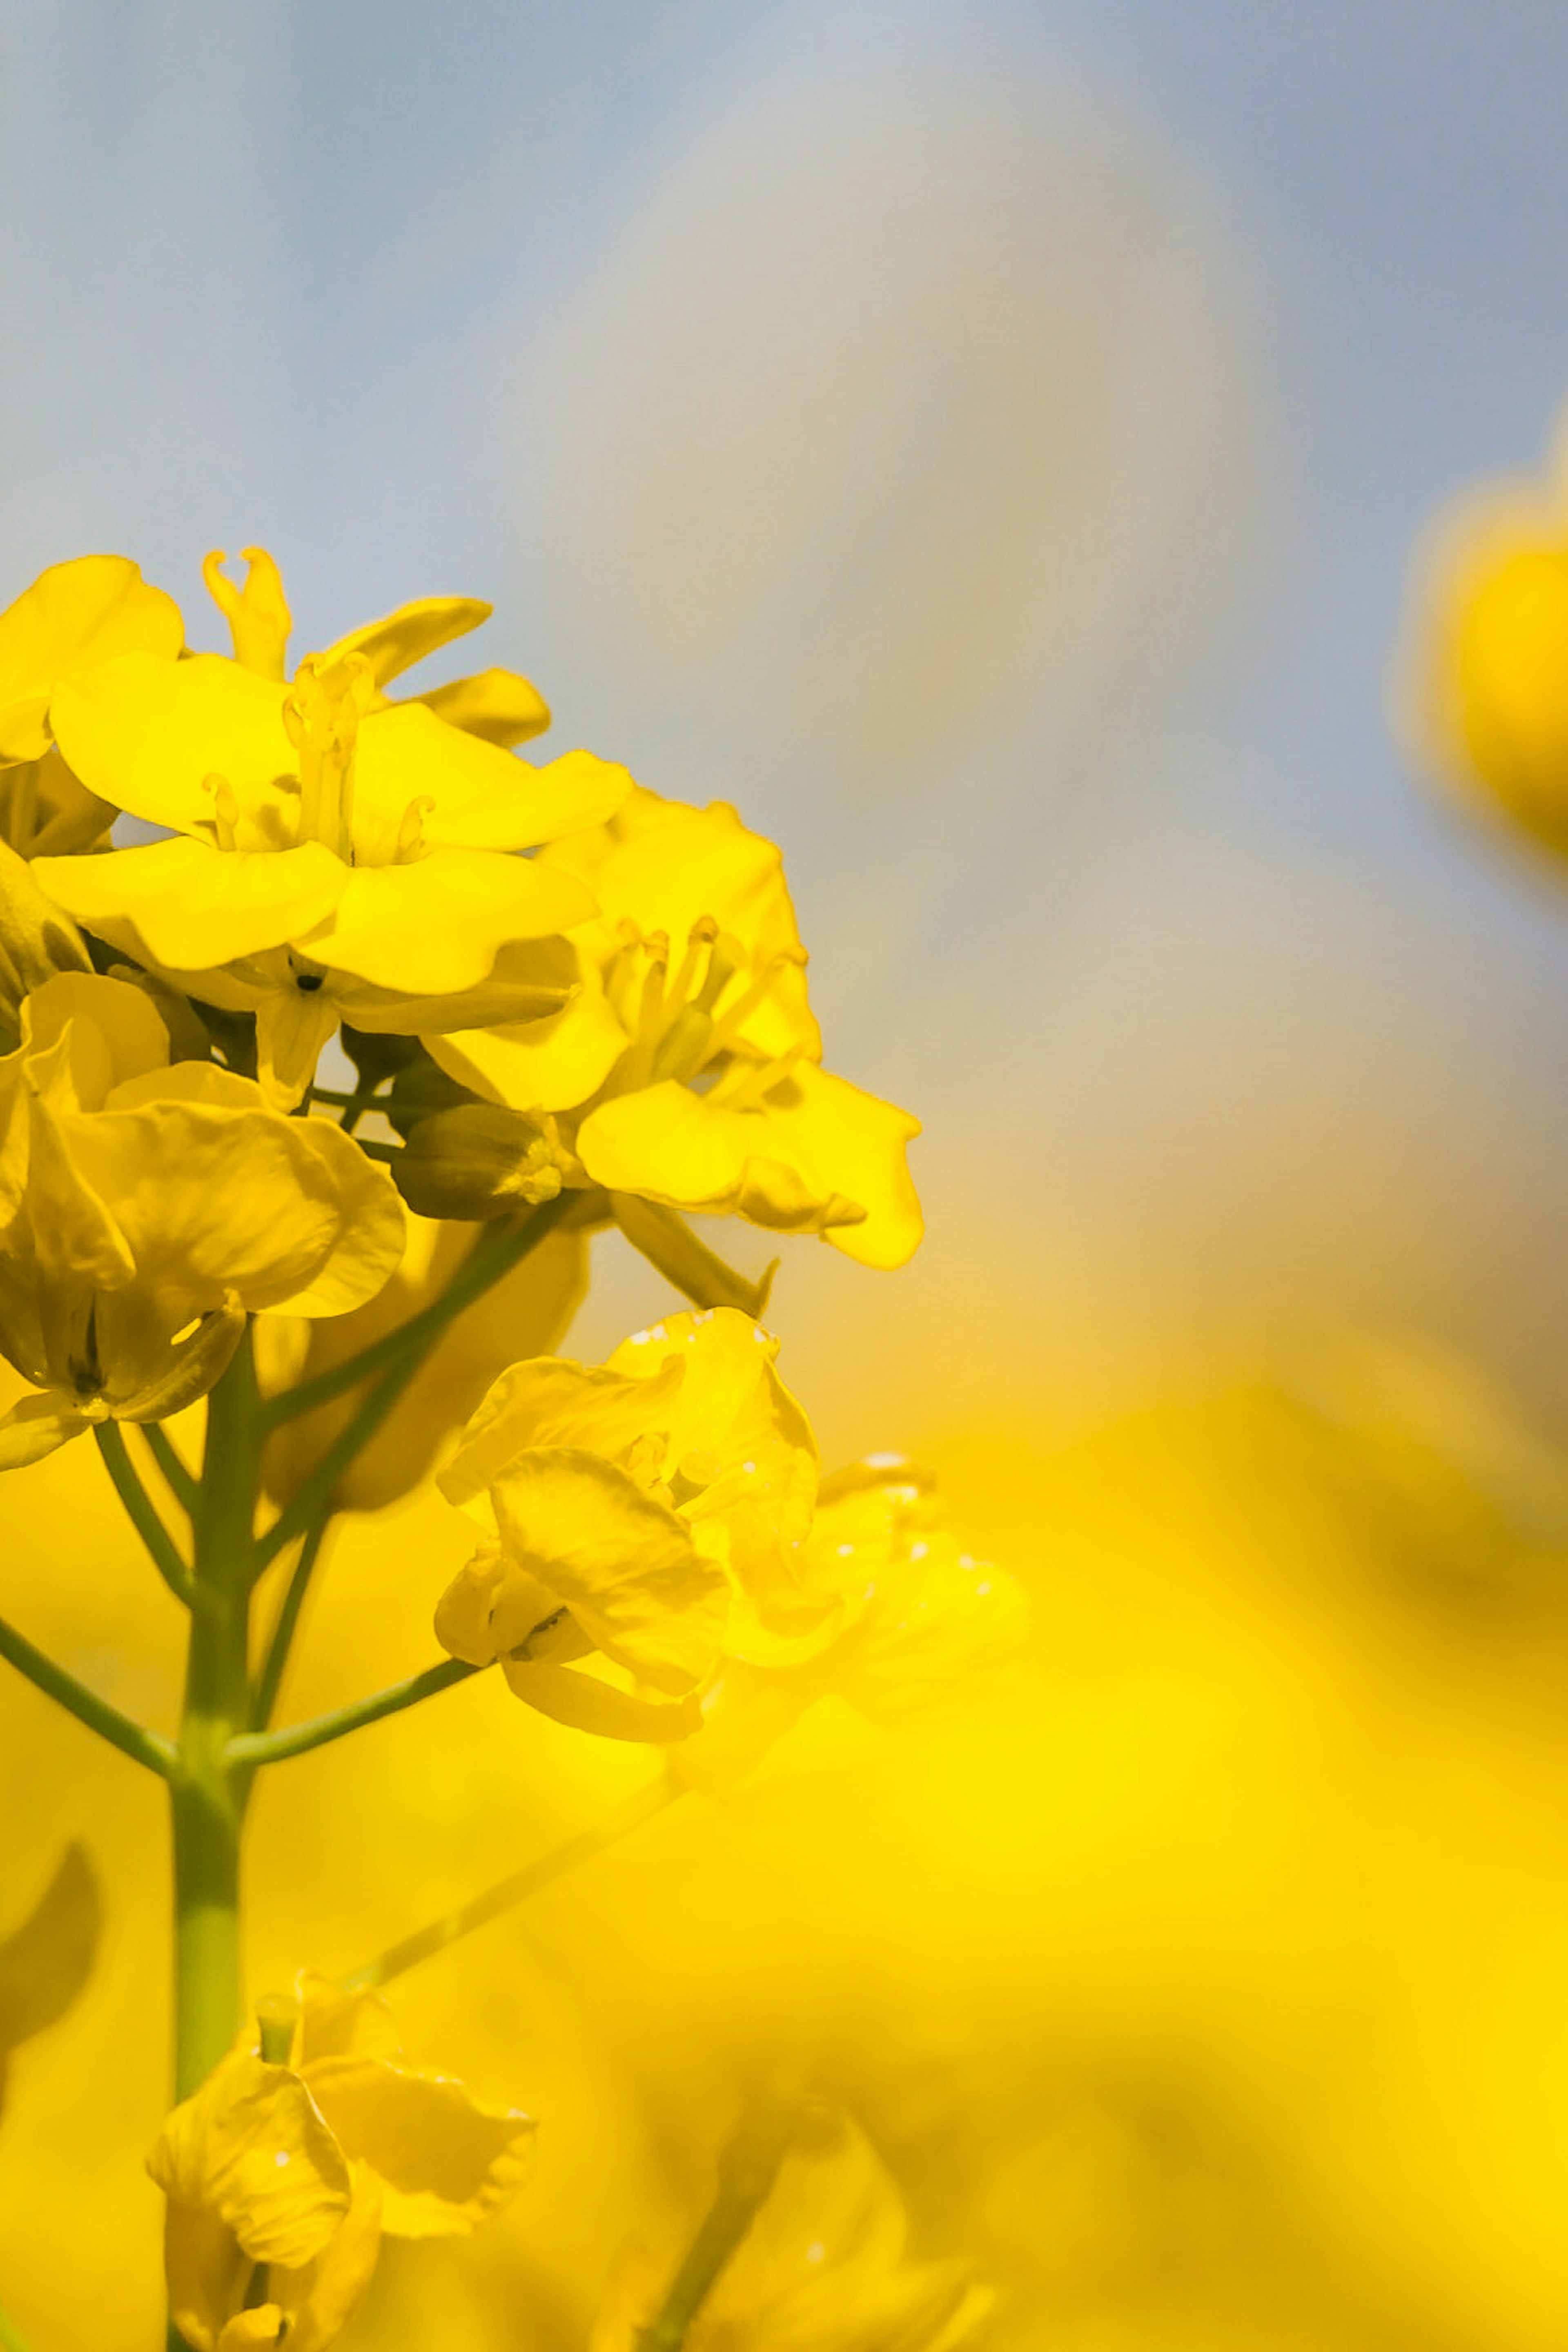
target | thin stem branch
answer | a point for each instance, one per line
(491, 1257)
(142, 1512)
(180, 1481)
(254, 1749)
(142, 1746)
(425, 1942)
(270, 1680)
(747, 2171)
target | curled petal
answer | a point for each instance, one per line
(620, 1560)
(584, 1701)
(395, 643)
(533, 1065)
(37, 1427)
(251, 2149)
(494, 704)
(552, 1400)
(443, 2160)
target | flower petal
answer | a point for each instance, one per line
(494, 704)
(292, 1026)
(622, 1562)
(146, 733)
(396, 642)
(89, 611)
(37, 1427)
(440, 923)
(194, 904)
(442, 2160)
(251, 2148)
(532, 1065)
(479, 796)
(553, 1400)
(584, 1701)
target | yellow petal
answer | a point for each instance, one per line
(666, 866)
(37, 1427)
(396, 642)
(292, 1027)
(479, 796)
(553, 1400)
(115, 1033)
(45, 1961)
(321, 2299)
(584, 1701)
(494, 704)
(443, 2160)
(249, 2329)
(622, 1562)
(334, 2023)
(251, 2149)
(74, 614)
(35, 939)
(45, 812)
(206, 2272)
(535, 1065)
(437, 924)
(194, 904)
(146, 734)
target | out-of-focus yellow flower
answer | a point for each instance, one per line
(145, 1207)
(45, 1961)
(823, 2267)
(283, 2178)
(523, 1315)
(689, 1052)
(1484, 684)
(629, 1502)
(338, 855)
(904, 1618)
(74, 615)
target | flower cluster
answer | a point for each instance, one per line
(331, 1028)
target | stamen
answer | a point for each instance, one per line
(743, 1086)
(411, 831)
(257, 614)
(226, 809)
(322, 717)
(699, 940)
(729, 1024)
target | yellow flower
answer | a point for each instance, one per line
(629, 1502)
(45, 1961)
(144, 1208)
(823, 2267)
(282, 2177)
(74, 615)
(905, 1616)
(338, 854)
(1484, 684)
(689, 1052)
(523, 1315)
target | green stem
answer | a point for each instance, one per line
(491, 1257)
(270, 1680)
(251, 1749)
(159, 1544)
(209, 1792)
(176, 1478)
(142, 1746)
(425, 1942)
(747, 2170)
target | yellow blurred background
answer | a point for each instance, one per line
(987, 444)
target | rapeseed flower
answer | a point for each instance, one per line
(904, 1618)
(75, 615)
(284, 2172)
(684, 1070)
(1484, 681)
(823, 2267)
(146, 1207)
(634, 1505)
(336, 854)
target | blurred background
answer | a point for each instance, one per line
(986, 443)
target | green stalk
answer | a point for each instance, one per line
(209, 1792)
(747, 2171)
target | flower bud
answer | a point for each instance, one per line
(478, 1161)
(35, 939)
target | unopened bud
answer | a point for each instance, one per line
(478, 1161)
